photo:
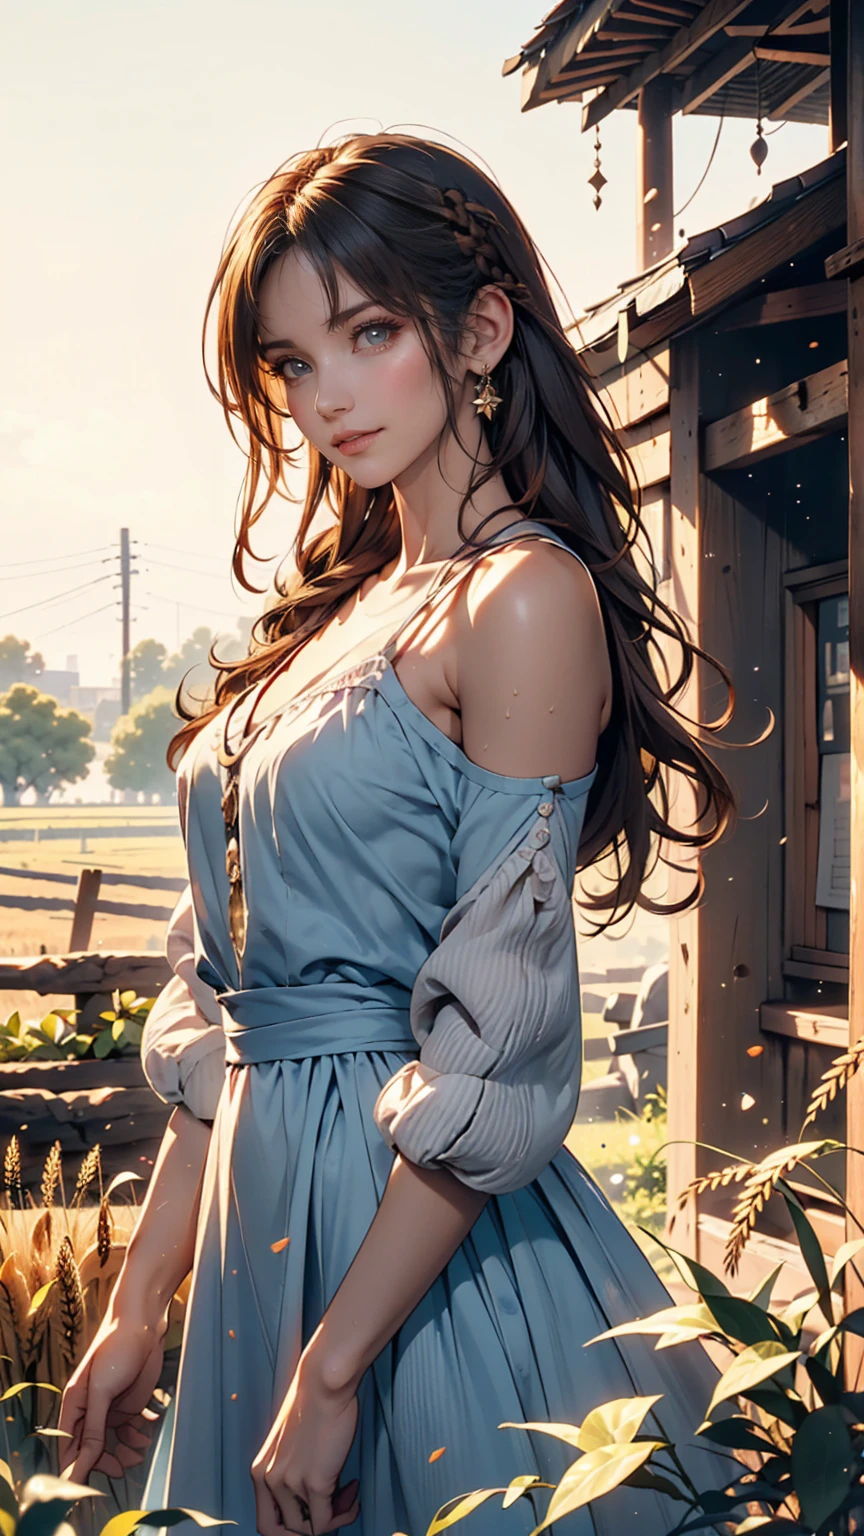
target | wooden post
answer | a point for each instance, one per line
(654, 173)
(855, 442)
(686, 574)
(86, 898)
(839, 35)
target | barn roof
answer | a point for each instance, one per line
(723, 56)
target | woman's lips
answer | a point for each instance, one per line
(357, 444)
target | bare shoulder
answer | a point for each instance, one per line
(533, 670)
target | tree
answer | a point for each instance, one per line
(42, 746)
(18, 664)
(146, 667)
(139, 743)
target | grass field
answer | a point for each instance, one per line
(133, 840)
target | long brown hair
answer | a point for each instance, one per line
(420, 229)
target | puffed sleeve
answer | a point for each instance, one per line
(495, 1008)
(183, 1047)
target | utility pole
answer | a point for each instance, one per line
(125, 587)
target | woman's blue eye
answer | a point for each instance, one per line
(289, 364)
(381, 331)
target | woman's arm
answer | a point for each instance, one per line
(161, 1248)
(423, 1217)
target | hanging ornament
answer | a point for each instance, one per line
(758, 149)
(598, 180)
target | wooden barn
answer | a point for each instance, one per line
(734, 365)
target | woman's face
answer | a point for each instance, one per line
(367, 378)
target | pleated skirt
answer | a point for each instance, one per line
(500, 1335)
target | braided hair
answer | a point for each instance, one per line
(421, 230)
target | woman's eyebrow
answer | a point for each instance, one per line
(342, 318)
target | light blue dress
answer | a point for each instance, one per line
(409, 981)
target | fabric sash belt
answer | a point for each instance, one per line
(326, 1018)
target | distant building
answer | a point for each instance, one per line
(59, 683)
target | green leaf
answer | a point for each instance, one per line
(646, 1477)
(129, 1520)
(694, 1317)
(761, 1296)
(843, 1256)
(103, 1044)
(615, 1423)
(38, 1297)
(695, 1275)
(822, 1462)
(13, 1023)
(741, 1320)
(793, 1315)
(594, 1475)
(463, 1508)
(117, 1030)
(754, 1365)
(811, 1252)
(737, 1434)
(518, 1486)
(779, 1405)
(567, 1432)
(825, 1382)
(22, 1386)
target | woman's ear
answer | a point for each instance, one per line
(490, 328)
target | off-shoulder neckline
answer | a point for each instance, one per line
(388, 682)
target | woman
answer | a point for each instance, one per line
(391, 1250)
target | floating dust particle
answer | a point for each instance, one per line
(436, 1455)
(747, 1101)
(230, 1333)
(507, 713)
(233, 1397)
(755, 1050)
(282, 1243)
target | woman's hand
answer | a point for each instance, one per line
(296, 1472)
(104, 1406)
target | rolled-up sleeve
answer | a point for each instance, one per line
(495, 1008)
(183, 1047)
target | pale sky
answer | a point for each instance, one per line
(131, 130)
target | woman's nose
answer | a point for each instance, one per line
(334, 397)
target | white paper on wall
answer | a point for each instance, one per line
(833, 863)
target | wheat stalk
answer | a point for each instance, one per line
(832, 1082)
(90, 1168)
(12, 1170)
(14, 1300)
(69, 1313)
(760, 1186)
(104, 1233)
(717, 1180)
(51, 1175)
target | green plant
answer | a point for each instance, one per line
(796, 1434)
(56, 1038)
(42, 1506)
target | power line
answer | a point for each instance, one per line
(193, 554)
(174, 602)
(57, 597)
(704, 176)
(81, 619)
(49, 559)
(86, 565)
(166, 565)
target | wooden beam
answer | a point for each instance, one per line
(774, 55)
(654, 173)
(86, 900)
(649, 447)
(633, 393)
(711, 78)
(809, 302)
(801, 411)
(800, 93)
(145, 970)
(855, 440)
(803, 224)
(846, 263)
(827, 1024)
(713, 18)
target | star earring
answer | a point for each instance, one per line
(487, 402)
